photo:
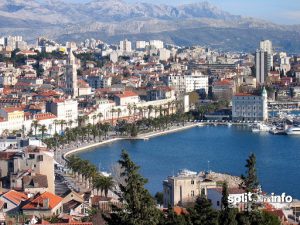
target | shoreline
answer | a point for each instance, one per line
(144, 136)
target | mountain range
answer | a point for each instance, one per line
(112, 20)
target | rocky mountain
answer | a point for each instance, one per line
(198, 23)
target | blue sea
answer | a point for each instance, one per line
(220, 149)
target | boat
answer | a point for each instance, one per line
(229, 124)
(293, 131)
(260, 127)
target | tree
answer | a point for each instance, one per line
(227, 214)
(203, 213)
(250, 181)
(171, 218)
(35, 125)
(138, 205)
(159, 196)
(194, 98)
(43, 130)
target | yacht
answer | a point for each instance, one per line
(293, 131)
(229, 124)
(260, 127)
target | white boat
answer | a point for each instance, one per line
(229, 124)
(293, 131)
(260, 127)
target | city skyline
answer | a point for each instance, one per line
(283, 12)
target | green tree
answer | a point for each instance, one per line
(138, 205)
(159, 196)
(250, 181)
(203, 213)
(171, 218)
(227, 214)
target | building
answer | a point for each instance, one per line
(71, 75)
(196, 82)
(64, 109)
(141, 44)
(12, 200)
(223, 89)
(126, 98)
(157, 44)
(43, 205)
(215, 196)
(125, 46)
(247, 107)
(164, 54)
(184, 188)
(15, 163)
(263, 65)
(266, 46)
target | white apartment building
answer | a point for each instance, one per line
(247, 107)
(157, 44)
(64, 109)
(125, 46)
(141, 44)
(164, 54)
(188, 83)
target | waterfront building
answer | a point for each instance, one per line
(126, 98)
(248, 107)
(223, 89)
(185, 187)
(64, 109)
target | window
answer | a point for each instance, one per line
(5, 205)
(192, 182)
(192, 193)
(218, 203)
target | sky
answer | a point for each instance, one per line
(278, 11)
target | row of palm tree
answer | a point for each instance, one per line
(87, 173)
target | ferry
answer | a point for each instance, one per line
(293, 131)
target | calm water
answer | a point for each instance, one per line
(226, 149)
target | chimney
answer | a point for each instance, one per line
(46, 203)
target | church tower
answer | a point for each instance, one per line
(71, 75)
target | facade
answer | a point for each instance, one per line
(11, 201)
(157, 44)
(125, 46)
(64, 109)
(184, 188)
(263, 65)
(266, 46)
(247, 107)
(126, 98)
(196, 82)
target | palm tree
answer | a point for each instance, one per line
(150, 109)
(129, 107)
(100, 115)
(43, 130)
(56, 122)
(134, 110)
(107, 184)
(119, 112)
(62, 123)
(94, 117)
(156, 110)
(70, 122)
(112, 116)
(35, 125)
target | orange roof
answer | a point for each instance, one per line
(12, 109)
(15, 197)
(37, 202)
(223, 82)
(126, 94)
(179, 210)
(44, 116)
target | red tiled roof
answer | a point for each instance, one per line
(12, 109)
(54, 200)
(15, 196)
(223, 82)
(126, 94)
(44, 116)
